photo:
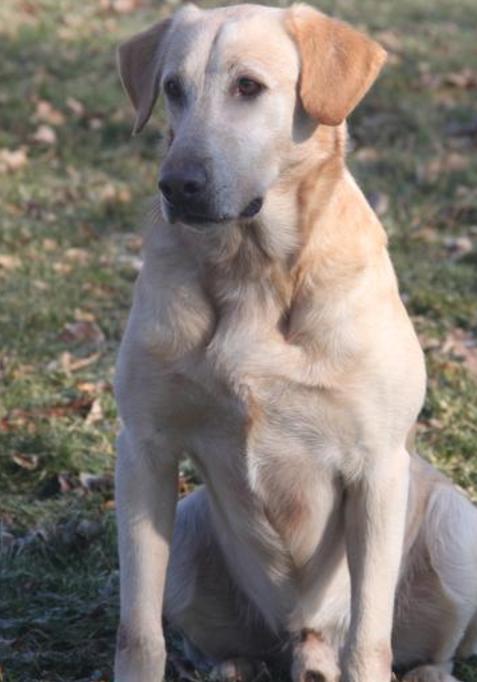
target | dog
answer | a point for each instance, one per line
(267, 340)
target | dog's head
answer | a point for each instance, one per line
(244, 86)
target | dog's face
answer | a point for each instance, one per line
(229, 80)
(243, 86)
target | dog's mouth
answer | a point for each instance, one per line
(183, 215)
(253, 208)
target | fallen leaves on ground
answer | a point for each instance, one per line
(460, 345)
(453, 162)
(13, 160)
(20, 418)
(111, 194)
(464, 79)
(76, 255)
(121, 6)
(458, 246)
(9, 262)
(70, 363)
(45, 135)
(96, 482)
(82, 331)
(81, 484)
(46, 113)
(25, 461)
(75, 106)
(95, 413)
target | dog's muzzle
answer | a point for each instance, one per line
(185, 190)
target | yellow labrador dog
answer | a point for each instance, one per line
(268, 340)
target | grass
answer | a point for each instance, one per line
(73, 185)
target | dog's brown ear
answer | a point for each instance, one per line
(338, 63)
(139, 61)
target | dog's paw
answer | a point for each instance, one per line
(314, 660)
(429, 673)
(240, 670)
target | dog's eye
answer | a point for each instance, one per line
(172, 88)
(249, 88)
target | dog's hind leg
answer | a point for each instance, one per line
(435, 621)
(468, 646)
(202, 601)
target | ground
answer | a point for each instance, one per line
(74, 188)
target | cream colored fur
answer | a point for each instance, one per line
(277, 353)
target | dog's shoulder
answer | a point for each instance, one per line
(171, 313)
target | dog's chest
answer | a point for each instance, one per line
(264, 450)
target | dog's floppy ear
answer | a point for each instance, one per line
(139, 61)
(338, 63)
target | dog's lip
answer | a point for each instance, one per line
(189, 218)
(199, 219)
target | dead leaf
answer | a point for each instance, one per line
(27, 420)
(125, 6)
(465, 79)
(81, 363)
(13, 160)
(28, 462)
(185, 484)
(458, 246)
(432, 169)
(9, 262)
(94, 387)
(95, 123)
(75, 106)
(133, 262)
(76, 255)
(21, 419)
(87, 387)
(47, 113)
(367, 154)
(45, 135)
(96, 413)
(82, 331)
(62, 268)
(111, 194)
(426, 234)
(49, 244)
(96, 482)
(462, 346)
(84, 315)
(69, 363)
(22, 371)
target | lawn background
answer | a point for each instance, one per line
(74, 188)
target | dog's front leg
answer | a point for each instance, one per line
(375, 520)
(146, 496)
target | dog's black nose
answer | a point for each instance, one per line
(183, 184)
